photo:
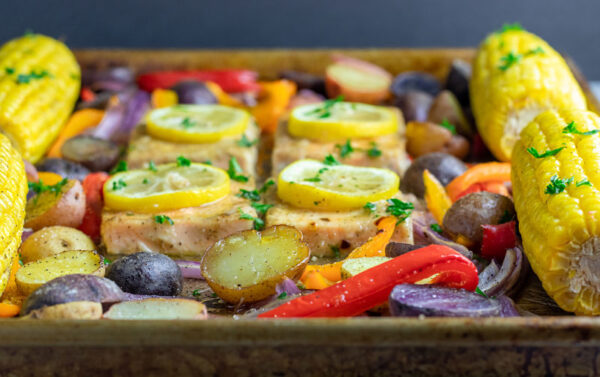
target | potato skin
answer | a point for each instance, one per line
(53, 240)
(146, 274)
(48, 209)
(469, 213)
(443, 166)
(69, 310)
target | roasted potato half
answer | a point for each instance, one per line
(246, 266)
(53, 240)
(69, 310)
(62, 205)
(35, 274)
(157, 308)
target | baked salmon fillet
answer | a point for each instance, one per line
(288, 148)
(144, 148)
(326, 232)
(193, 231)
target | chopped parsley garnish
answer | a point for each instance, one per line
(345, 149)
(258, 223)
(9, 71)
(23, 78)
(187, 123)
(324, 111)
(330, 160)
(449, 126)
(234, 171)
(252, 195)
(182, 161)
(436, 228)
(39, 187)
(557, 185)
(266, 186)
(207, 162)
(118, 184)
(548, 153)
(145, 181)
(316, 178)
(571, 128)
(583, 182)
(534, 51)
(401, 210)
(371, 207)
(213, 295)
(120, 167)
(506, 217)
(335, 250)
(282, 295)
(161, 219)
(373, 152)
(106, 260)
(510, 27)
(261, 208)
(196, 293)
(244, 142)
(152, 167)
(509, 60)
(480, 292)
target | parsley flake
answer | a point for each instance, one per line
(39, 187)
(23, 78)
(374, 152)
(538, 50)
(245, 142)
(583, 182)
(436, 228)
(251, 195)
(183, 162)
(282, 295)
(557, 185)
(371, 207)
(266, 186)
(449, 126)
(571, 128)
(9, 71)
(510, 27)
(324, 111)
(335, 250)
(152, 167)
(261, 208)
(196, 293)
(106, 261)
(145, 181)
(509, 60)
(480, 292)
(345, 149)
(120, 167)
(330, 160)
(118, 184)
(258, 223)
(234, 171)
(207, 162)
(401, 210)
(548, 153)
(187, 123)
(161, 219)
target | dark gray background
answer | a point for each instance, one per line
(571, 26)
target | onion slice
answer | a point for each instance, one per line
(496, 282)
(190, 269)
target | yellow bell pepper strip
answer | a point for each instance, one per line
(79, 121)
(273, 100)
(49, 178)
(374, 247)
(163, 98)
(435, 264)
(438, 202)
(222, 97)
(480, 173)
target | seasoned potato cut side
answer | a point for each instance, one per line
(61, 204)
(246, 266)
(352, 267)
(35, 274)
(54, 240)
(69, 310)
(157, 308)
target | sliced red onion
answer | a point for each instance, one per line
(410, 300)
(488, 273)
(287, 286)
(190, 269)
(506, 277)
(115, 79)
(136, 108)
(121, 116)
(25, 235)
(112, 120)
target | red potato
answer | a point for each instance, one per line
(64, 205)
(357, 80)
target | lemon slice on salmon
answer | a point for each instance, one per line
(312, 184)
(167, 187)
(196, 123)
(334, 120)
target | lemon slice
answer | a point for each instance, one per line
(334, 120)
(196, 123)
(312, 184)
(169, 187)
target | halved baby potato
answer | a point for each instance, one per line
(35, 274)
(62, 204)
(54, 240)
(157, 308)
(246, 266)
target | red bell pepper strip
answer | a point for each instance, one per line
(372, 287)
(86, 94)
(94, 201)
(497, 239)
(230, 80)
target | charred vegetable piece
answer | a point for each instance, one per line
(357, 80)
(425, 137)
(247, 266)
(71, 288)
(194, 93)
(33, 275)
(457, 81)
(59, 204)
(414, 105)
(353, 296)
(443, 166)
(54, 240)
(446, 109)
(415, 82)
(64, 168)
(146, 273)
(94, 153)
(69, 310)
(305, 80)
(409, 300)
(469, 213)
(157, 308)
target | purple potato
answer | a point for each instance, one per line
(415, 82)
(94, 153)
(457, 81)
(443, 166)
(414, 105)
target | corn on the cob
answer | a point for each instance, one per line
(556, 188)
(39, 84)
(13, 193)
(517, 75)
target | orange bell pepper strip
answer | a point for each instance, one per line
(11, 297)
(374, 247)
(492, 186)
(163, 98)
(273, 101)
(316, 280)
(480, 173)
(79, 121)
(49, 178)
(438, 201)
(222, 97)
(435, 264)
